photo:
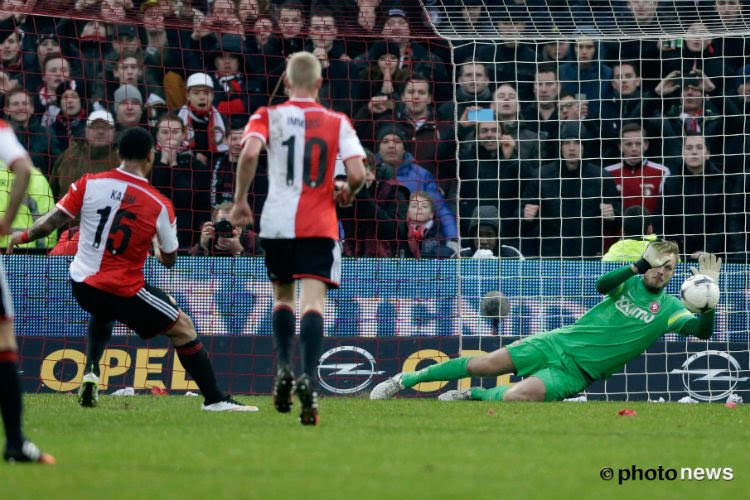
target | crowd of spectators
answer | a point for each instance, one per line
(537, 151)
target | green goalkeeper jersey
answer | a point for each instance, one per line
(622, 326)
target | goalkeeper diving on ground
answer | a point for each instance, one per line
(558, 364)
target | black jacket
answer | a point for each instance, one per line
(569, 222)
(485, 178)
(694, 208)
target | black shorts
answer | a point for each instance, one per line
(6, 305)
(293, 259)
(148, 313)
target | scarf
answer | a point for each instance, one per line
(482, 98)
(70, 122)
(189, 114)
(692, 121)
(231, 83)
(232, 103)
(15, 67)
(417, 234)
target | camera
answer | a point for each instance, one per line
(223, 229)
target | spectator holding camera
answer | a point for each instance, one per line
(697, 53)
(694, 112)
(219, 238)
(472, 93)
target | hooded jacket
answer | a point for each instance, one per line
(415, 178)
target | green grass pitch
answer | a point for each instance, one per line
(148, 447)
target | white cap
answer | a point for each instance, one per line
(101, 115)
(200, 79)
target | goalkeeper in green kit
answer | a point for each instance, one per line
(561, 363)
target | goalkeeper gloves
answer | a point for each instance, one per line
(654, 256)
(709, 265)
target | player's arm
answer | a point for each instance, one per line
(22, 170)
(701, 327)
(246, 168)
(355, 181)
(164, 242)
(352, 153)
(613, 279)
(42, 227)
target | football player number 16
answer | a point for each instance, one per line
(118, 226)
(312, 145)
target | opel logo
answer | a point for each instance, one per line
(710, 375)
(346, 369)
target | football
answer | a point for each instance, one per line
(699, 293)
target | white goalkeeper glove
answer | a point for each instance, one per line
(654, 256)
(709, 265)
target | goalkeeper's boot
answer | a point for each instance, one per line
(283, 387)
(456, 395)
(88, 393)
(308, 399)
(28, 453)
(228, 404)
(387, 388)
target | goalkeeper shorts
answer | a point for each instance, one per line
(539, 356)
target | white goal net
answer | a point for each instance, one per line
(586, 128)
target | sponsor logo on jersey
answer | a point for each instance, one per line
(710, 375)
(654, 307)
(628, 308)
(339, 369)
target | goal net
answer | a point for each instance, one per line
(585, 129)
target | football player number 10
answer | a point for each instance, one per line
(310, 148)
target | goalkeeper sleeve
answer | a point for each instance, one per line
(608, 282)
(702, 326)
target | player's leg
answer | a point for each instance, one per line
(559, 379)
(17, 448)
(284, 322)
(279, 262)
(152, 312)
(317, 264)
(98, 334)
(529, 389)
(312, 303)
(497, 362)
(194, 359)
